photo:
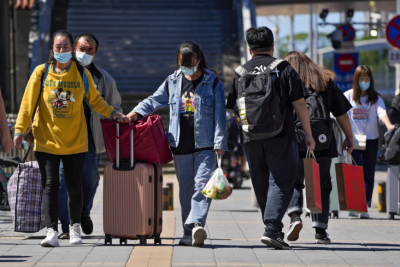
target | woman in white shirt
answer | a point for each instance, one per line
(368, 109)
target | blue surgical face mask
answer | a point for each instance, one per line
(62, 57)
(83, 58)
(188, 71)
(364, 86)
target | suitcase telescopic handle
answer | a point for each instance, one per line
(131, 148)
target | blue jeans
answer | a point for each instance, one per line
(90, 182)
(193, 172)
(367, 159)
(272, 163)
(320, 220)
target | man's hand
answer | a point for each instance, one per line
(6, 143)
(219, 151)
(133, 116)
(310, 142)
(120, 117)
(18, 141)
(348, 144)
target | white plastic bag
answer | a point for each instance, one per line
(218, 186)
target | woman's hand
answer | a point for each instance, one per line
(390, 127)
(133, 116)
(18, 141)
(6, 143)
(219, 151)
(310, 142)
(120, 117)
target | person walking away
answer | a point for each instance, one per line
(60, 130)
(196, 100)
(86, 47)
(272, 158)
(5, 136)
(368, 109)
(320, 85)
(395, 111)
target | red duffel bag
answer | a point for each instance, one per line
(150, 141)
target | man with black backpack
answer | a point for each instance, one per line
(263, 94)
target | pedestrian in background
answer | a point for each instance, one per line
(196, 100)
(368, 109)
(60, 130)
(395, 111)
(319, 81)
(86, 47)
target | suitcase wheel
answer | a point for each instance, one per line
(308, 214)
(108, 239)
(391, 216)
(143, 240)
(157, 239)
(123, 241)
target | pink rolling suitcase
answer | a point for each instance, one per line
(132, 199)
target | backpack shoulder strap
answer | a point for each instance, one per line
(241, 71)
(274, 64)
(42, 80)
(81, 70)
(215, 83)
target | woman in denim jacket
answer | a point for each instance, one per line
(197, 124)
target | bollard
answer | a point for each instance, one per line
(165, 197)
(171, 196)
(382, 197)
(168, 199)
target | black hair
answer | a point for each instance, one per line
(260, 39)
(61, 33)
(89, 37)
(188, 50)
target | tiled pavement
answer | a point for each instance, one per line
(234, 229)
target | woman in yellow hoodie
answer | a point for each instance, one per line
(60, 129)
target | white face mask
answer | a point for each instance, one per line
(83, 58)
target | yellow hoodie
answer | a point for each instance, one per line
(60, 126)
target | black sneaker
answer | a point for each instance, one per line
(322, 238)
(274, 240)
(64, 236)
(87, 225)
(294, 230)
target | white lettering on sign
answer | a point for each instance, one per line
(394, 57)
(346, 62)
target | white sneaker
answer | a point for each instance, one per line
(198, 235)
(186, 240)
(51, 239)
(353, 214)
(75, 234)
(365, 216)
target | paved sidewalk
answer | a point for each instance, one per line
(234, 229)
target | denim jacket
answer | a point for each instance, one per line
(209, 114)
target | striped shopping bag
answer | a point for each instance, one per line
(25, 198)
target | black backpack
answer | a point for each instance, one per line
(390, 150)
(320, 121)
(258, 105)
